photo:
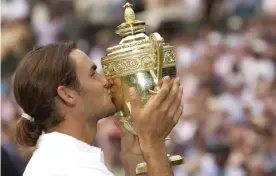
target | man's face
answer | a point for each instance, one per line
(95, 95)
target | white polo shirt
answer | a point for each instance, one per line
(62, 155)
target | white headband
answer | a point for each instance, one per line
(27, 116)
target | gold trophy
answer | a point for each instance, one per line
(138, 61)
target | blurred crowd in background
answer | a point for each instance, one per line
(226, 59)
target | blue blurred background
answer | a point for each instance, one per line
(226, 59)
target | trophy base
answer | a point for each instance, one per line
(141, 168)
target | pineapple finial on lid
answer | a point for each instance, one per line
(129, 13)
(131, 26)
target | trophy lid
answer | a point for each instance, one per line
(131, 26)
(136, 51)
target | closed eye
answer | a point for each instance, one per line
(93, 70)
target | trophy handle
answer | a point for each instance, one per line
(158, 51)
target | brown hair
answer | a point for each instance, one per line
(36, 80)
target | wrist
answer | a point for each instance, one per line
(129, 156)
(152, 148)
(131, 153)
(130, 147)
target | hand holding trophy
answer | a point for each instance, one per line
(139, 62)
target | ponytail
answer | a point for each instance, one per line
(27, 132)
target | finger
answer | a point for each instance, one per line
(134, 99)
(154, 92)
(171, 96)
(164, 90)
(171, 82)
(178, 114)
(160, 83)
(175, 104)
(175, 119)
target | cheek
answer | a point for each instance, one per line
(81, 101)
(95, 92)
(93, 88)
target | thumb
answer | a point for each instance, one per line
(134, 99)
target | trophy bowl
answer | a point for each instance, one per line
(138, 61)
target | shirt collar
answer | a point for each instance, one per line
(63, 141)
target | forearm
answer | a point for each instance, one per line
(130, 161)
(157, 161)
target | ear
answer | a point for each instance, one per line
(67, 95)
